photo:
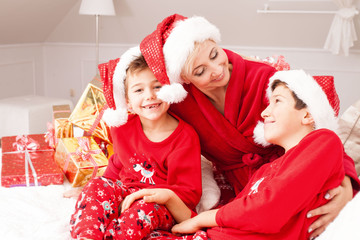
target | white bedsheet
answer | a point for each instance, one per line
(35, 213)
(42, 213)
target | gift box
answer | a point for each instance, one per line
(28, 161)
(80, 159)
(88, 111)
(60, 127)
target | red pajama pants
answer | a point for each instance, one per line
(97, 213)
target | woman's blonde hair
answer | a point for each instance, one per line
(187, 68)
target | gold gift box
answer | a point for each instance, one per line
(79, 163)
(63, 127)
(88, 108)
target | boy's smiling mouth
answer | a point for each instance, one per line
(151, 106)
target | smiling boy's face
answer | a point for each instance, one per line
(283, 123)
(141, 95)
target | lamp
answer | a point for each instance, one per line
(97, 8)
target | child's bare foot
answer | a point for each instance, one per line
(72, 193)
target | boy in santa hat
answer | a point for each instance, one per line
(153, 148)
(273, 205)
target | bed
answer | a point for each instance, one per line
(42, 213)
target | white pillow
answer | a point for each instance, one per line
(210, 190)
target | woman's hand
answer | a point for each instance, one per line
(157, 195)
(338, 197)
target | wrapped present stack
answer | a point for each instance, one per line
(84, 157)
(28, 161)
(44, 159)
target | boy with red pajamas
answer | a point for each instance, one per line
(153, 148)
(274, 204)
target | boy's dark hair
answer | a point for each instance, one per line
(137, 65)
(299, 104)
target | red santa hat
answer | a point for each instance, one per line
(113, 74)
(167, 48)
(318, 93)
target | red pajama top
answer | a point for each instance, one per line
(227, 140)
(173, 163)
(279, 195)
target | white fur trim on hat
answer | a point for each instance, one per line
(117, 117)
(259, 135)
(173, 93)
(180, 43)
(310, 92)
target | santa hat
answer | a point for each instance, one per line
(167, 48)
(318, 93)
(113, 74)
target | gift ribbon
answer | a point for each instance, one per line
(62, 111)
(84, 151)
(24, 144)
(50, 135)
(97, 120)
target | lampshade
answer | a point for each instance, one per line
(97, 7)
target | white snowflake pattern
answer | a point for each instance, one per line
(255, 186)
(131, 215)
(89, 218)
(132, 160)
(94, 208)
(100, 193)
(89, 199)
(130, 232)
(89, 231)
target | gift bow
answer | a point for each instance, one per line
(50, 135)
(84, 151)
(278, 62)
(25, 144)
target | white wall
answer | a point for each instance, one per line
(56, 69)
(21, 69)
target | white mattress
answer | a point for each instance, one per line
(42, 213)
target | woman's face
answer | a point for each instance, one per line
(209, 69)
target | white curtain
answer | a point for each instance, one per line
(342, 32)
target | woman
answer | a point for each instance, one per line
(226, 95)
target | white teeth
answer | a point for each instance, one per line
(152, 106)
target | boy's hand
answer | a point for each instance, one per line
(157, 195)
(338, 197)
(186, 227)
(203, 220)
(72, 193)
